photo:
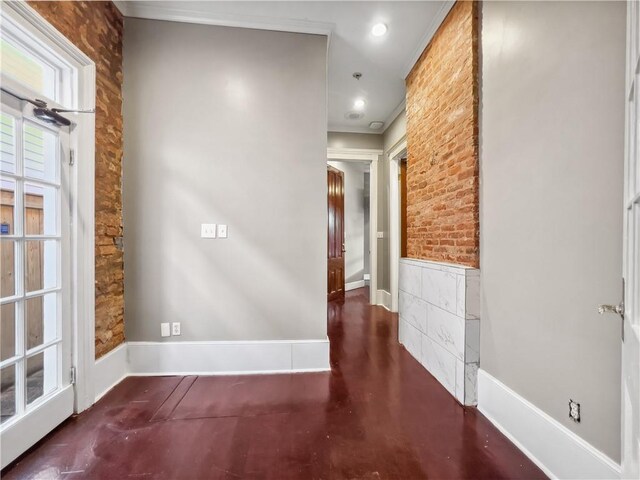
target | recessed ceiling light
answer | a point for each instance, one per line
(376, 125)
(379, 29)
(359, 104)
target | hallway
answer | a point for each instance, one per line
(377, 415)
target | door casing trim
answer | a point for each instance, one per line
(82, 192)
(372, 156)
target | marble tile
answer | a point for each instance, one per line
(472, 296)
(466, 389)
(459, 381)
(413, 310)
(439, 288)
(461, 287)
(447, 329)
(471, 384)
(440, 363)
(472, 341)
(411, 338)
(409, 279)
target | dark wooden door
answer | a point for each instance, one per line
(403, 208)
(335, 260)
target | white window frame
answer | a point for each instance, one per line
(78, 92)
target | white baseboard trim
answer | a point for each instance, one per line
(353, 285)
(227, 358)
(383, 298)
(558, 451)
(109, 370)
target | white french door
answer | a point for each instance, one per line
(36, 393)
(631, 266)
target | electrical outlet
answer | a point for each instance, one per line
(165, 331)
(222, 231)
(175, 328)
(208, 230)
(574, 411)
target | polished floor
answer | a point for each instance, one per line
(377, 415)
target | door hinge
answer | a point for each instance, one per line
(72, 157)
(72, 376)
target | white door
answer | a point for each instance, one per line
(36, 393)
(631, 265)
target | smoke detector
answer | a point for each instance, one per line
(354, 115)
(377, 125)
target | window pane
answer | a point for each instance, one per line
(7, 268)
(41, 314)
(40, 264)
(7, 206)
(7, 331)
(7, 143)
(39, 209)
(42, 375)
(7, 393)
(40, 153)
(19, 64)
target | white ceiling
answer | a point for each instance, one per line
(383, 61)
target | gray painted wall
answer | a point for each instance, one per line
(227, 126)
(392, 135)
(395, 131)
(354, 234)
(354, 140)
(551, 168)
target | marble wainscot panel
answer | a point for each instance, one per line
(439, 307)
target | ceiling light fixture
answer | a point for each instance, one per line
(359, 104)
(379, 29)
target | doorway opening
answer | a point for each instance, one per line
(352, 221)
(47, 231)
(397, 214)
(349, 205)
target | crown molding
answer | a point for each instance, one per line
(428, 35)
(363, 130)
(156, 11)
(121, 5)
(394, 114)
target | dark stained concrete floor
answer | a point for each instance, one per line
(377, 415)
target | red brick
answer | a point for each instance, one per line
(442, 141)
(96, 29)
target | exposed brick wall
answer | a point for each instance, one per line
(96, 28)
(442, 142)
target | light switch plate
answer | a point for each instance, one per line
(208, 230)
(175, 328)
(165, 331)
(222, 231)
(380, 234)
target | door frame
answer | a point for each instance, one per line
(82, 196)
(371, 156)
(630, 358)
(395, 154)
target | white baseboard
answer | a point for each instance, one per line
(554, 448)
(384, 299)
(353, 285)
(227, 358)
(109, 370)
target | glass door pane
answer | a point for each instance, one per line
(31, 333)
